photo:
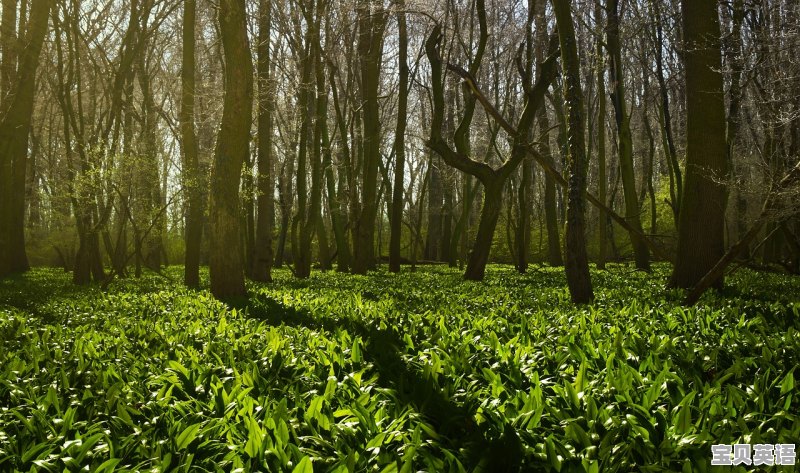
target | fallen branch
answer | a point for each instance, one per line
(770, 205)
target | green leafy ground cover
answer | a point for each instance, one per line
(420, 371)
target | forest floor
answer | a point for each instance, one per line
(417, 371)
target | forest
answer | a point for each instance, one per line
(399, 235)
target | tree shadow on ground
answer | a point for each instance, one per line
(482, 447)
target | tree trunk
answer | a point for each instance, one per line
(701, 226)
(577, 263)
(225, 262)
(262, 258)
(632, 208)
(490, 213)
(602, 179)
(400, 143)
(191, 163)
(433, 237)
(371, 26)
(15, 125)
(665, 118)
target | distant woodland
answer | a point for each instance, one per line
(319, 135)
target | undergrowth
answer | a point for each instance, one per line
(417, 371)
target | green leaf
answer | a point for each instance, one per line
(304, 466)
(108, 465)
(355, 351)
(580, 380)
(787, 385)
(187, 436)
(255, 437)
(552, 456)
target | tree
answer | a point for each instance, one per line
(602, 180)
(371, 25)
(701, 227)
(233, 145)
(493, 179)
(400, 142)
(262, 260)
(623, 118)
(191, 163)
(15, 125)
(577, 261)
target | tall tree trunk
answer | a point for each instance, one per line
(550, 208)
(371, 25)
(664, 116)
(191, 163)
(147, 176)
(15, 125)
(399, 143)
(632, 208)
(262, 258)
(577, 264)
(534, 51)
(233, 144)
(701, 229)
(338, 199)
(602, 179)
(734, 52)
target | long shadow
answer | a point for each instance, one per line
(481, 447)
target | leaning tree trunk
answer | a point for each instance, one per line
(577, 263)
(233, 145)
(701, 227)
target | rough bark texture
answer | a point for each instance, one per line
(225, 260)
(577, 263)
(702, 215)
